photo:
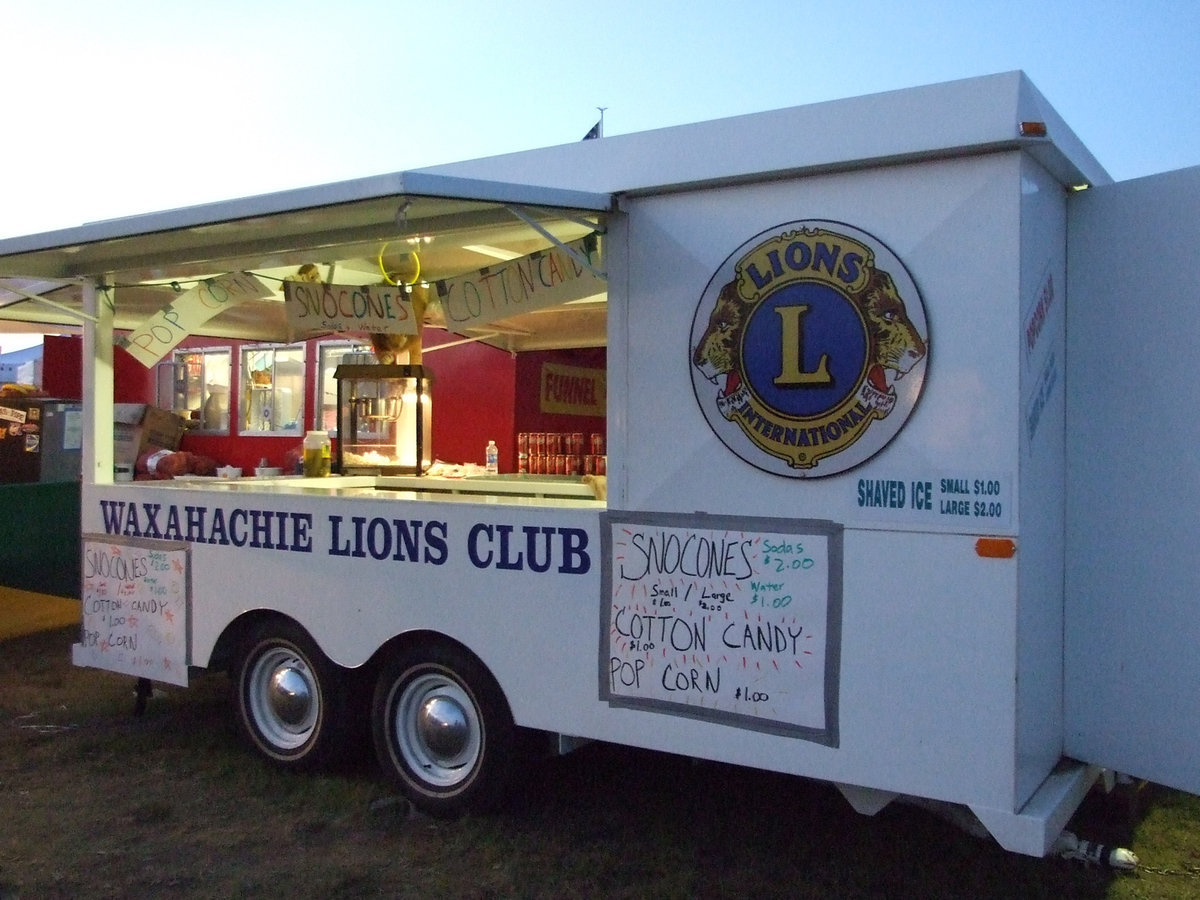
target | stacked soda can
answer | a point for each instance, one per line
(560, 453)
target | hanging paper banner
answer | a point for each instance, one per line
(159, 335)
(314, 309)
(542, 279)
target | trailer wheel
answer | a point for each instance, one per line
(443, 728)
(290, 699)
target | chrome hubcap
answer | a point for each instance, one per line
(442, 724)
(284, 698)
(438, 731)
(289, 695)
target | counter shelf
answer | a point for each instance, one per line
(511, 489)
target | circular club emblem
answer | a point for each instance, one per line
(808, 349)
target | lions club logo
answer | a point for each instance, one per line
(808, 349)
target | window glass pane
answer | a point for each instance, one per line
(200, 387)
(272, 390)
(164, 386)
(329, 356)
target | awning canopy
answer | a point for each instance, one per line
(403, 226)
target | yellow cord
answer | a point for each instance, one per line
(388, 278)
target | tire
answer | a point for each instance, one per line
(443, 730)
(291, 701)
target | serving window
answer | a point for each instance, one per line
(272, 390)
(199, 387)
(330, 355)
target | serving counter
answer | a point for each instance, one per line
(578, 491)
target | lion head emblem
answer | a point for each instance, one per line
(895, 345)
(718, 352)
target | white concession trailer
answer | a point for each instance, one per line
(900, 488)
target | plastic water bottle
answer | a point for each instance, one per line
(491, 458)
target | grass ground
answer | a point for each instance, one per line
(98, 803)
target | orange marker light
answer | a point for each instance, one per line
(1032, 129)
(996, 548)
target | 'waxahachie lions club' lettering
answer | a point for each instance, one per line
(487, 546)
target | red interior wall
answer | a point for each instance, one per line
(62, 366)
(473, 390)
(479, 394)
(528, 409)
(482, 394)
(62, 372)
(246, 451)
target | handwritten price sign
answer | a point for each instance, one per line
(135, 608)
(731, 619)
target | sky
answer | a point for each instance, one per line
(126, 107)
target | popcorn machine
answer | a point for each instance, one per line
(384, 420)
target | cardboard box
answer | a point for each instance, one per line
(139, 426)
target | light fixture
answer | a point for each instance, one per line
(493, 252)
